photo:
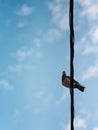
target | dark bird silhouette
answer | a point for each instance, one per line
(66, 82)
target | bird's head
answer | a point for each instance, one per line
(64, 73)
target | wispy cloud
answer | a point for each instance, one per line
(90, 72)
(17, 114)
(90, 9)
(42, 97)
(96, 128)
(78, 123)
(20, 24)
(23, 53)
(64, 95)
(19, 67)
(39, 94)
(90, 49)
(24, 10)
(37, 42)
(36, 110)
(21, 64)
(47, 99)
(5, 84)
(59, 13)
(94, 34)
(88, 43)
(22, 58)
(52, 35)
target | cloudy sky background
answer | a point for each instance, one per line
(34, 50)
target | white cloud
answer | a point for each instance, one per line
(94, 35)
(59, 10)
(52, 35)
(39, 94)
(36, 110)
(67, 127)
(96, 128)
(19, 67)
(90, 49)
(90, 72)
(47, 99)
(89, 42)
(20, 25)
(63, 97)
(37, 42)
(78, 123)
(38, 54)
(90, 9)
(23, 53)
(24, 10)
(16, 114)
(42, 97)
(22, 58)
(5, 84)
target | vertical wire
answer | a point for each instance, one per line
(71, 12)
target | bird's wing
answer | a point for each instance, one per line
(68, 77)
(67, 81)
(74, 82)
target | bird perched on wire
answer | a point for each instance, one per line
(66, 82)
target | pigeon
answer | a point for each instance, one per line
(66, 82)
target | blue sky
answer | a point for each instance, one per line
(34, 50)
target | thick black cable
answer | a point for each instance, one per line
(71, 24)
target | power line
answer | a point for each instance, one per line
(71, 25)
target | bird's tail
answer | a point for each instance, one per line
(81, 88)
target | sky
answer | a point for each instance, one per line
(34, 50)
